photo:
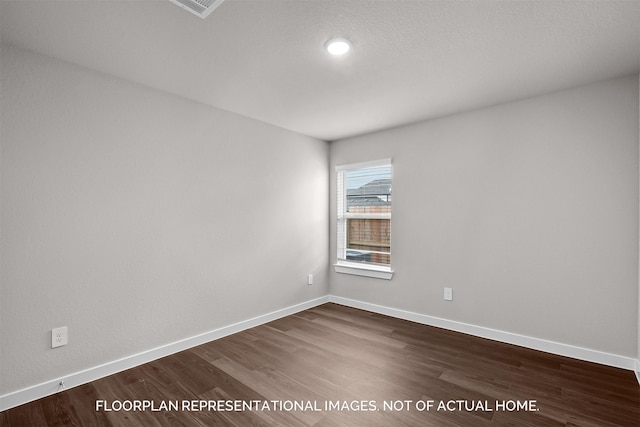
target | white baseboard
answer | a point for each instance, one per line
(502, 336)
(47, 388)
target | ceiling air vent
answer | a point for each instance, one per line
(202, 8)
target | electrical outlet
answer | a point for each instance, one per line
(309, 279)
(448, 294)
(59, 337)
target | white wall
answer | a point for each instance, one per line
(137, 218)
(528, 210)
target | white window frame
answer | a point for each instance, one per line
(342, 265)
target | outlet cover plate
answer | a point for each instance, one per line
(59, 337)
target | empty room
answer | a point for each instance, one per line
(319, 213)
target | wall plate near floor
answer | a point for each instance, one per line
(59, 337)
(448, 294)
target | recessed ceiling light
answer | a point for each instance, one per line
(338, 46)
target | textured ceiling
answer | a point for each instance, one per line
(412, 60)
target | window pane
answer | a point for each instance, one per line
(368, 192)
(369, 240)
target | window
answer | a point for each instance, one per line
(364, 219)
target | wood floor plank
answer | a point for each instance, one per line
(348, 361)
(59, 410)
(30, 414)
(87, 415)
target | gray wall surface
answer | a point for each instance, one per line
(528, 210)
(138, 219)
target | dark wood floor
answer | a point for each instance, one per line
(355, 361)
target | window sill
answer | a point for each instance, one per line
(375, 271)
